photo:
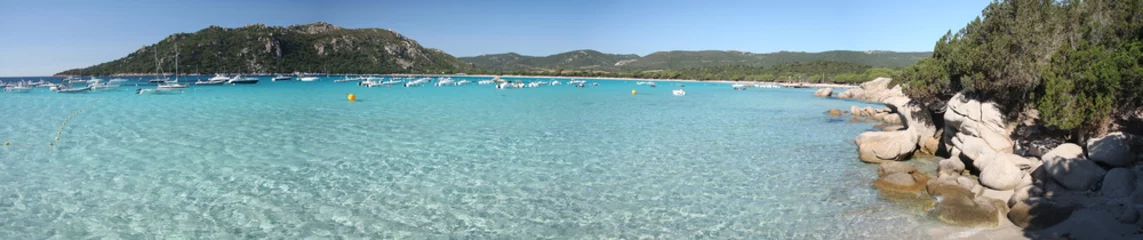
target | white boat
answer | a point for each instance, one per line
(308, 79)
(595, 84)
(738, 86)
(391, 82)
(349, 79)
(281, 78)
(485, 82)
(158, 91)
(445, 81)
(19, 88)
(679, 92)
(218, 79)
(576, 82)
(462, 82)
(97, 85)
(72, 90)
(534, 84)
(174, 84)
(117, 80)
(416, 83)
(238, 79)
(555, 82)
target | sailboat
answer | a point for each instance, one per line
(157, 71)
(175, 84)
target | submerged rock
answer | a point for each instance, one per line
(1066, 166)
(834, 112)
(961, 207)
(1113, 149)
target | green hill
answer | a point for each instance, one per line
(316, 47)
(578, 59)
(594, 60)
(690, 59)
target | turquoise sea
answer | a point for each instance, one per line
(296, 160)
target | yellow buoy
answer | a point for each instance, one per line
(632, 91)
(351, 97)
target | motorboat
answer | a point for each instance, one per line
(308, 79)
(462, 82)
(576, 82)
(219, 77)
(117, 80)
(349, 79)
(485, 82)
(158, 80)
(534, 84)
(595, 84)
(555, 82)
(281, 78)
(416, 83)
(97, 85)
(679, 92)
(238, 79)
(173, 85)
(19, 88)
(211, 81)
(158, 91)
(72, 90)
(738, 86)
(445, 81)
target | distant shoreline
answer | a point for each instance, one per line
(785, 84)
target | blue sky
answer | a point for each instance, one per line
(42, 37)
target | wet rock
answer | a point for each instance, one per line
(1119, 182)
(901, 182)
(834, 112)
(877, 147)
(961, 207)
(952, 165)
(1037, 213)
(1113, 149)
(823, 92)
(1066, 166)
(887, 168)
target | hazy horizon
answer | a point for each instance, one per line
(81, 34)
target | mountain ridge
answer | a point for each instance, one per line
(257, 48)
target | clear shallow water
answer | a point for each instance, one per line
(295, 160)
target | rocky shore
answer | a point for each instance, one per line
(991, 177)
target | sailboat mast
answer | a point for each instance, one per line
(176, 62)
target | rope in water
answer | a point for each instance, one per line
(64, 124)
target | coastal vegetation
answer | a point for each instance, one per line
(324, 48)
(815, 71)
(591, 60)
(316, 47)
(1078, 63)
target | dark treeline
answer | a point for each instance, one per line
(816, 71)
(1079, 63)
